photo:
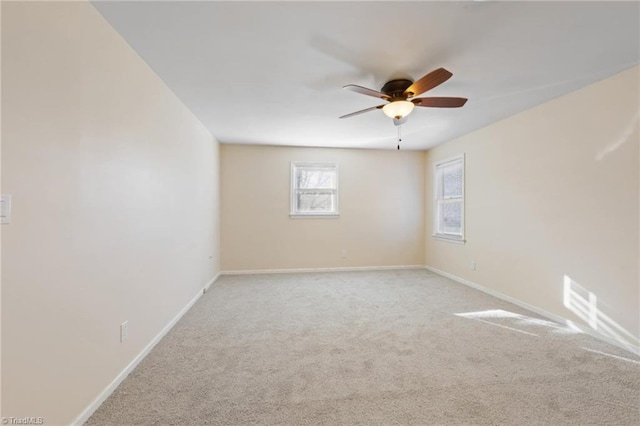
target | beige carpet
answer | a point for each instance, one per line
(372, 348)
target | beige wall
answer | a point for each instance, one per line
(115, 203)
(550, 192)
(381, 219)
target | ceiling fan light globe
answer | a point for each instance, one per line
(398, 109)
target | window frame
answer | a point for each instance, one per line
(438, 200)
(293, 212)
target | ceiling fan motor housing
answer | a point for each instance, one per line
(396, 88)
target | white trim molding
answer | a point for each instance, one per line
(447, 239)
(106, 392)
(303, 270)
(553, 317)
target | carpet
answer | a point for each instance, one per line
(372, 348)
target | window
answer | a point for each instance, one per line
(314, 189)
(449, 199)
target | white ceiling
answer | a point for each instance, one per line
(272, 72)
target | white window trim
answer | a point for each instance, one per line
(292, 204)
(451, 238)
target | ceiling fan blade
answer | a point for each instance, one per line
(428, 82)
(440, 102)
(361, 111)
(365, 91)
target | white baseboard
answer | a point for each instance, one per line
(553, 317)
(340, 269)
(209, 284)
(95, 404)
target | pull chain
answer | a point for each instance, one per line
(399, 138)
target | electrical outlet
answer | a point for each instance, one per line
(473, 265)
(343, 253)
(124, 331)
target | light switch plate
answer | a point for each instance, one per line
(5, 208)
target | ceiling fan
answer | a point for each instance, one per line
(400, 96)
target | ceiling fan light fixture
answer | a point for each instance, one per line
(398, 109)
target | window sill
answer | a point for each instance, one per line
(314, 215)
(449, 239)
